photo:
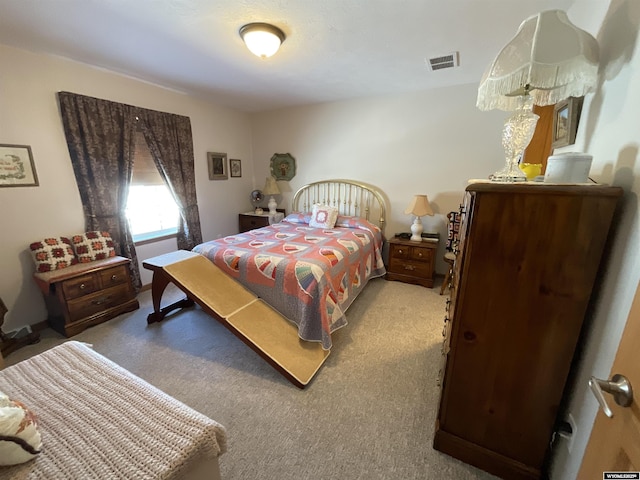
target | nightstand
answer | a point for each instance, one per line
(250, 220)
(412, 262)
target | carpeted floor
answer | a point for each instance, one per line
(368, 414)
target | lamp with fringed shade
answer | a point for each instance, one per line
(548, 60)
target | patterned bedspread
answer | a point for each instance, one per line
(310, 275)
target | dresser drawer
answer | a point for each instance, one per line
(98, 302)
(114, 276)
(79, 286)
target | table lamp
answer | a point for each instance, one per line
(419, 207)
(548, 60)
(271, 188)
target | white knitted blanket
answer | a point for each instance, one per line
(99, 421)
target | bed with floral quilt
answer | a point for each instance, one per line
(310, 272)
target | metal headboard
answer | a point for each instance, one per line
(351, 198)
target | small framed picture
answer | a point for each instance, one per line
(566, 116)
(217, 165)
(235, 165)
(16, 166)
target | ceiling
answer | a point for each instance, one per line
(334, 50)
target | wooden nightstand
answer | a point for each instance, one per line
(86, 294)
(412, 262)
(249, 221)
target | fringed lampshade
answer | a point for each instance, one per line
(548, 60)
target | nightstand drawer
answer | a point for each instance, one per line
(418, 253)
(410, 267)
(252, 222)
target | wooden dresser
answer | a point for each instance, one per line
(86, 294)
(522, 280)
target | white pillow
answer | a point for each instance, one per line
(323, 216)
(19, 431)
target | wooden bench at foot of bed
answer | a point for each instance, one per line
(252, 320)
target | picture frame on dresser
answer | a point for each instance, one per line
(17, 168)
(217, 166)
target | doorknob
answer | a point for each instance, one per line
(619, 386)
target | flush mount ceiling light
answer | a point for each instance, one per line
(262, 39)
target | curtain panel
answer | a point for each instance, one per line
(100, 137)
(171, 144)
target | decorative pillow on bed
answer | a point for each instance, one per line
(92, 246)
(298, 217)
(323, 216)
(20, 439)
(52, 253)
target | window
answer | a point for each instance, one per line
(151, 210)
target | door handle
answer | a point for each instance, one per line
(619, 386)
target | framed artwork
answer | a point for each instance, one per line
(16, 166)
(566, 116)
(283, 166)
(217, 165)
(235, 165)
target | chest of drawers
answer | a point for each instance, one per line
(84, 295)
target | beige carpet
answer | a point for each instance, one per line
(368, 414)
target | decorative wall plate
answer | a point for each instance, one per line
(283, 166)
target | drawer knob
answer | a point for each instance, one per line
(114, 278)
(420, 254)
(409, 267)
(82, 286)
(400, 250)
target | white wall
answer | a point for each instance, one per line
(29, 115)
(610, 131)
(429, 142)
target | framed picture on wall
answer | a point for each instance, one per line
(235, 165)
(566, 116)
(217, 166)
(16, 166)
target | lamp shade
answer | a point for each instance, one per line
(549, 58)
(419, 206)
(271, 187)
(262, 39)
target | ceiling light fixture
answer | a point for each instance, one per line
(262, 39)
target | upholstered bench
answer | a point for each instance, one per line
(99, 421)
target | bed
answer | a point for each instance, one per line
(98, 420)
(284, 289)
(310, 275)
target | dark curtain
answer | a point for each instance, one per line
(171, 146)
(100, 137)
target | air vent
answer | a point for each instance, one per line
(449, 60)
